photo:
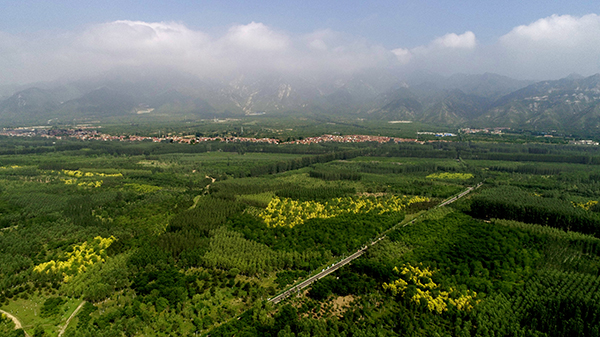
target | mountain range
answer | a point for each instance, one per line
(487, 100)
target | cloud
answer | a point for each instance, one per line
(256, 36)
(556, 30)
(464, 41)
(321, 40)
(242, 48)
(552, 47)
(403, 55)
(446, 54)
(123, 37)
(328, 51)
(547, 48)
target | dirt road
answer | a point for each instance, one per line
(18, 324)
(64, 327)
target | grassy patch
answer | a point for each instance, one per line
(28, 312)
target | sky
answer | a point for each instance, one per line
(50, 40)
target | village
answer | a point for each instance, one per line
(91, 133)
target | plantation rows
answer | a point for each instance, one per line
(573, 298)
(229, 249)
(515, 204)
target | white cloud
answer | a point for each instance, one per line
(127, 36)
(328, 51)
(403, 55)
(445, 54)
(250, 47)
(321, 40)
(552, 47)
(257, 36)
(556, 30)
(465, 41)
(443, 44)
(548, 48)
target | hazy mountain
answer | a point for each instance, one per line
(431, 98)
(488, 85)
(173, 101)
(29, 105)
(273, 92)
(455, 107)
(399, 104)
(459, 100)
(101, 102)
(442, 107)
(571, 102)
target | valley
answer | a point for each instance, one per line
(167, 238)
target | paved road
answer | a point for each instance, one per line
(18, 324)
(462, 194)
(318, 276)
(331, 269)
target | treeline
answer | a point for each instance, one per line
(434, 150)
(551, 158)
(318, 193)
(515, 204)
(387, 168)
(334, 175)
(297, 163)
(487, 151)
(527, 169)
(230, 188)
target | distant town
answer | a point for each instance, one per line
(87, 132)
(92, 133)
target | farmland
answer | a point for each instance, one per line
(170, 239)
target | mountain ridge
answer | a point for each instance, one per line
(459, 100)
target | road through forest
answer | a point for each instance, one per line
(330, 269)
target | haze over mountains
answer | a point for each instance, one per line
(461, 100)
(149, 68)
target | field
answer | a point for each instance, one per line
(166, 239)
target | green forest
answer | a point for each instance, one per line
(109, 238)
